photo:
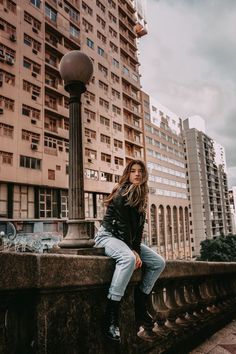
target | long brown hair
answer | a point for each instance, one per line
(136, 194)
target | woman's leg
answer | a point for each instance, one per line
(154, 264)
(125, 264)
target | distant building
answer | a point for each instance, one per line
(168, 196)
(232, 202)
(207, 183)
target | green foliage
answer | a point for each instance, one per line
(220, 249)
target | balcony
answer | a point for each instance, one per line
(190, 301)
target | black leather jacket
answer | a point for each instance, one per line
(124, 222)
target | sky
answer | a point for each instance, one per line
(188, 64)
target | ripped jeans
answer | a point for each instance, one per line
(125, 264)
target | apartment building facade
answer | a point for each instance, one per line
(207, 183)
(34, 115)
(168, 219)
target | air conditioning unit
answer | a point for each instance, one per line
(89, 160)
(33, 121)
(34, 74)
(12, 37)
(35, 30)
(34, 51)
(1, 110)
(9, 60)
(34, 146)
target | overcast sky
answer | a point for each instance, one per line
(188, 64)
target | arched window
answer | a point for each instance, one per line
(161, 225)
(175, 224)
(181, 224)
(168, 225)
(186, 217)
(153, 213)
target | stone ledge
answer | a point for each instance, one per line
(27, 270)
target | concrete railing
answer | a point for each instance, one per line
(53, 303)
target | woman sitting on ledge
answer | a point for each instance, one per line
(120, 234)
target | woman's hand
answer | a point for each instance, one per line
(139, 262)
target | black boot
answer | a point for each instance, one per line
(143, 317)
(111, 326)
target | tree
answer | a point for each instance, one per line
(219, 249)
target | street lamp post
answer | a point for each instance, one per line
(76, 69)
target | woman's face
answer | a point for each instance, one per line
(136, 174)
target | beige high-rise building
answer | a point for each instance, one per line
(168, 219)
(207, 181)
(34, 112)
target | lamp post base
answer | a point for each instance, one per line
(78, 234)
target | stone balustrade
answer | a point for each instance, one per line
(54, 303)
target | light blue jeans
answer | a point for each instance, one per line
(125, 264)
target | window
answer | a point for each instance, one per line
(50, 13)
(30, 162)
(112, 18)
(104, 103)
(101, 37)
(30, 112)
(116, 110)
(7, 78)
(51, 175)
(92, 154)
(74, 31)
(90, 43)
(32, 21)
(87, 9)
(74, 14)
(117, 126)
(118, 144)
(6, 130)
(112, 32)
(31, 65)
(103, 86)
(105, 121)
(89, 114)
(87, 26)
(36, 3)
(105, 157)
(106, 177)
(7, 103)
(115, 78)
(91, 174)
(6, 157)
(115, 63)
(101, 22)
(100, 6)
(90, 133)
(118, 161)
(48, 201)
(115, 93)
(102, 69)
(113, 47)
(105, 139)
(101, 51)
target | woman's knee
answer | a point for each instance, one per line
(159, 263)
(129, 259)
